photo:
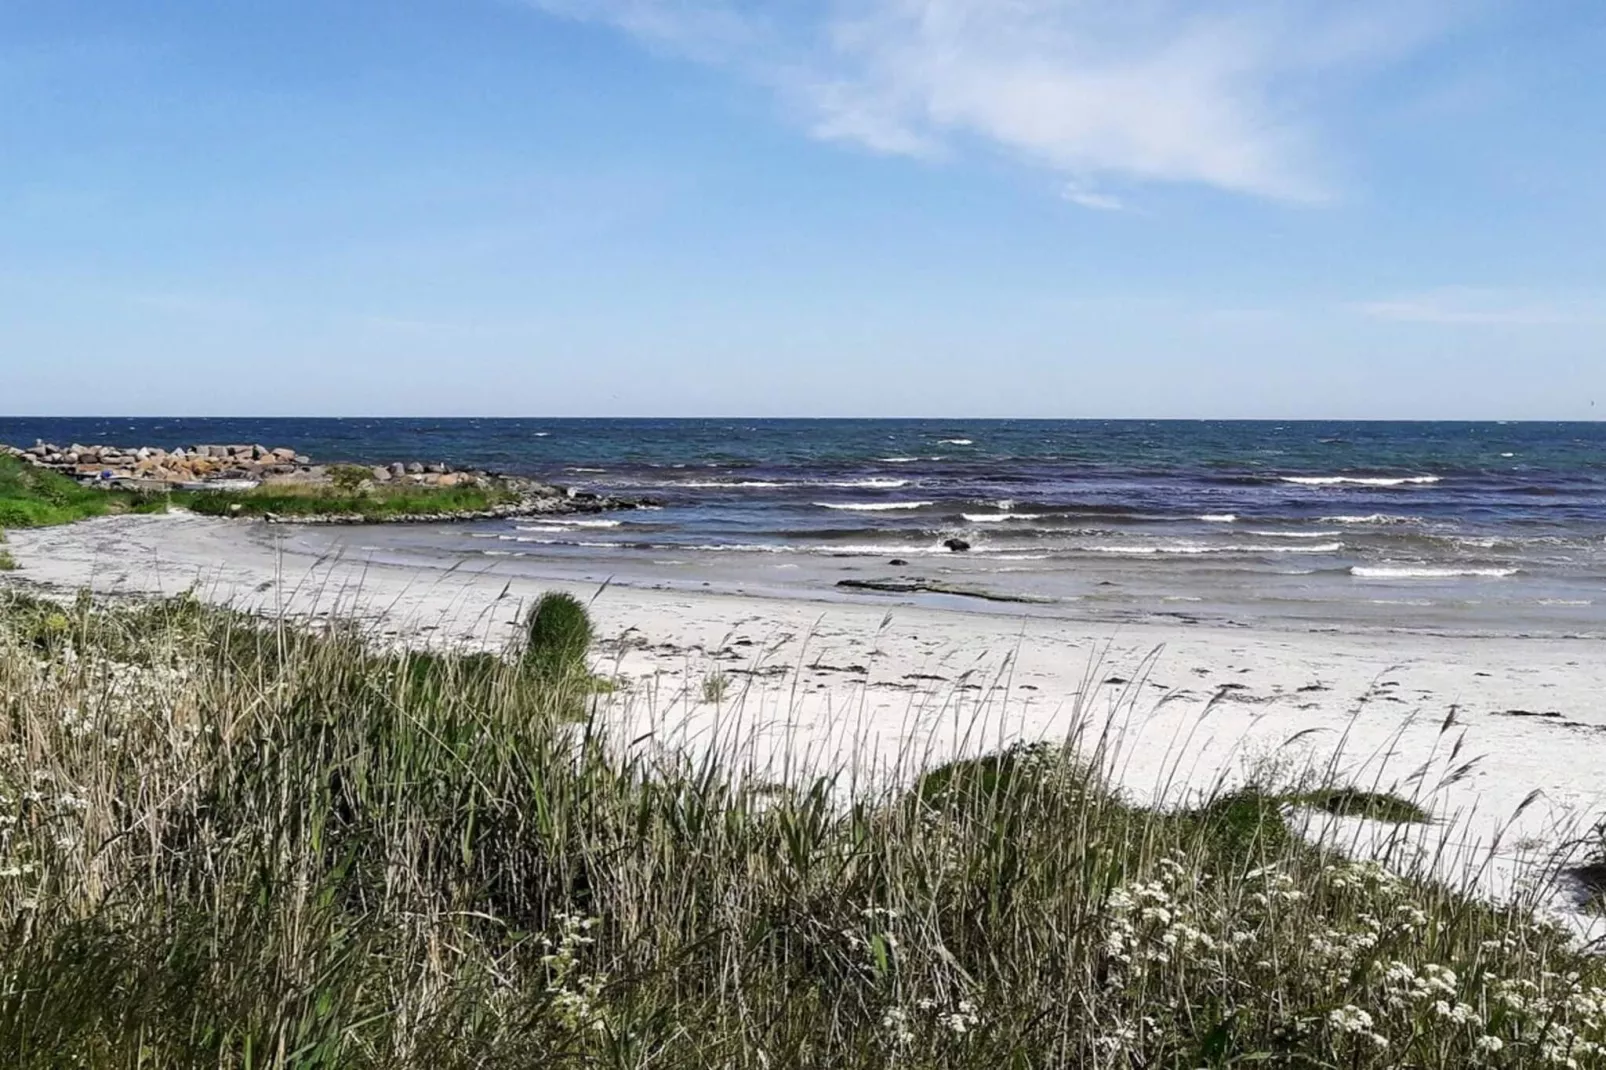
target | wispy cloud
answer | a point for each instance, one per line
(1224, 93)
(1084, 197)
(1470, 307)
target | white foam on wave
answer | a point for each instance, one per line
(728, 484)
(568, 522)
(1218, 518)
(1359, 481)
(877, 483)
(872, 507)
(999, 518)
(1295, 534)
(1371, 518)
(1196, 548)
(899, 460)
(1417, 572)
(956, 442)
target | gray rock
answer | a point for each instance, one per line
(415, 469)
(956, 545)
(381, 475)
(398, 469)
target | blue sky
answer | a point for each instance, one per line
(882, 207)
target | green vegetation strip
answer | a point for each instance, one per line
(35, 497)
(230, 843)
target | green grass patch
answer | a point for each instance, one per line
(378, 502)
(237, 843)
(1352, 802)
(36, 497)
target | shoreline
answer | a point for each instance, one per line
(1185, 707)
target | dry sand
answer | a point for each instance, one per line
(877, 687)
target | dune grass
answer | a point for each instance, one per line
(234, 843)
(35, 497)
(378, 501)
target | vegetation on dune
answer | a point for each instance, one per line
(556, 638)
(374, 502)
(230, 843)
(35, 497)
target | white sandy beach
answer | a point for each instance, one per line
(868, 687)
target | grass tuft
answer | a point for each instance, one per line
(1378, 806)
(556, 638)
(233, 843)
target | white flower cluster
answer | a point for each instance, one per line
(958, 1019)
(1355, 960)
(575, 993)
(1153, 922)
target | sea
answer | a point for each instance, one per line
(1458, 528)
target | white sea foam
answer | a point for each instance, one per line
(1417, 572)
(1218, 518)
(879, 483)
(1371, 518)
(715, 484)
(999, 518)
(568, 523)
(1358, 481)
(872, 507)
(1196, 548)
(889, 550)
(899, 460)
(1295, 534)
(956, 442)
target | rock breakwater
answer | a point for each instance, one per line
(239, 468)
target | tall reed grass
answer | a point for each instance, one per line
(233, 843)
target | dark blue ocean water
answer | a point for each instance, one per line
(1439, 520)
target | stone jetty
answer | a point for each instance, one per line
(245, 467)
(157, 469)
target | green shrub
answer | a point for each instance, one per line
(557, 637)
(348, 477)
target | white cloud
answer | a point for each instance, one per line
(1470, 307)
(1083, 197)
(1222, 92)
